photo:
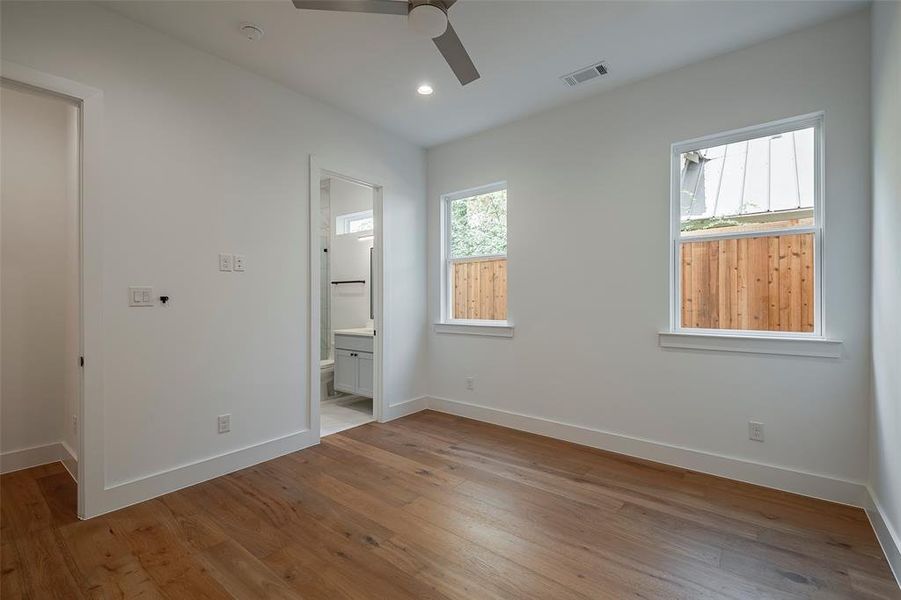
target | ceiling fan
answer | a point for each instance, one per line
(428, 17)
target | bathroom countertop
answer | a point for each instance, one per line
(359, 331)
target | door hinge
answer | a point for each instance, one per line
(81, 361)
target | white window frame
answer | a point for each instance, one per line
(446, 323)
(760, 341)
(349, 218)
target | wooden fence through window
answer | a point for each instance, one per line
(480, 289)
(755, 283)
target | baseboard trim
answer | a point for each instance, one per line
(771, 476)
(70, 461)
(813, 485)
(25, 458)
(407, 407)
(137, 490)
(133, 491)
(888, 538)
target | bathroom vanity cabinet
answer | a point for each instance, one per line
(353, 361)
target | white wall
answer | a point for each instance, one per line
(885, 430)
(588, 268)
(202, 157)
(349, 257)
(39, 270)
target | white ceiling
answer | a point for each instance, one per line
(370, 65)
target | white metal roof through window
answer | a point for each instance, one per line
(763, 175)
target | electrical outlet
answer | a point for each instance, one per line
(75, 424)
(240, 262)
(470, 383)
(755, 431)
(225, 262)
(225, 423)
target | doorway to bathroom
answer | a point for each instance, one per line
(348, 354)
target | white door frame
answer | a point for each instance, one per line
(318, 168)
(90, 405)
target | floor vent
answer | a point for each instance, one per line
(584, 75)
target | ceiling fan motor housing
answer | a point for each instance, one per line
(428, 17)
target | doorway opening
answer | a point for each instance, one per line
(348, 352)
(40, 285)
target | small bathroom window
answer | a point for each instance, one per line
(354, 222)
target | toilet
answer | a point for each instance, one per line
(326, 379)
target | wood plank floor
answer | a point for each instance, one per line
(435, 507)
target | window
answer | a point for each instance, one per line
(475, 255)
(747, 230)
(353, 222)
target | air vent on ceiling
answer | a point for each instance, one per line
(584, 75)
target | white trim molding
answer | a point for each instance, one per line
(813, 485)
(754, 344)
(139, 489)
(70, 460)
(889, 539)
(407, 407)
(489, 328)
(35, 456)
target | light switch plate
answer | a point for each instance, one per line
(225, 262)
(240, 262)
(140, 296)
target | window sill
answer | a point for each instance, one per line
(488, 328)
(755, 344)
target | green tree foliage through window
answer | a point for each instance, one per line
(478, 225)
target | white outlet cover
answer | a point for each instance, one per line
(240, 262)
(225, 262)
(755, 431)
(225, 424)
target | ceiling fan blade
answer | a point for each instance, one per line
(455, 54)
(386, 7)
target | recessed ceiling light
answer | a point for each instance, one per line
(424, 90)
